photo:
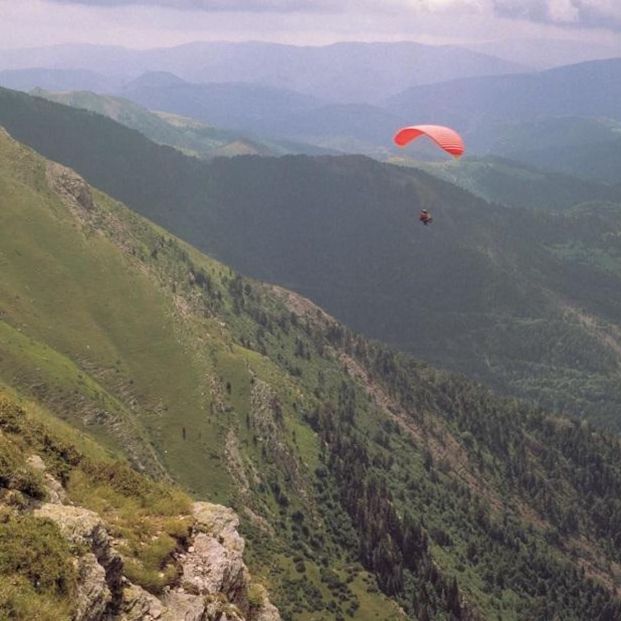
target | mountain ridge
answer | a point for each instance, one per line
(361, 468)
(327, 72)
(485, 291)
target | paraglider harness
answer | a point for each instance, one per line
(425, 217)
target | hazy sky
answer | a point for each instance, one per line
(154, 23)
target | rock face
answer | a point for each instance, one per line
(214, 582)
(70, 186)
(138, 605)
(214, 563)
(99, 569)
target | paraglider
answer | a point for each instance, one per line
(445, 137)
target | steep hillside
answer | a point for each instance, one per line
(515, 184)
(86, 538)
(526, 301)
(521, 299)
(189, 136)
(355, 470)
(589, 148)
(136, 339)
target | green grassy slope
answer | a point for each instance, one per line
(39, 568)
(111, 324)
(356, 471)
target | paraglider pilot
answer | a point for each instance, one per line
(425, 217)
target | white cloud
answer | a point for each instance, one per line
(563, 11)
(586, 13)
(31, 23)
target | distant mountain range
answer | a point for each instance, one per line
(188, 135)
(545, 53)
(228, 105)
(59, 80)
(270, 112)
(586, 89)
(492, 112)
(277, 94)
(326, 72)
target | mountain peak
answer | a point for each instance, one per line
(155, 79)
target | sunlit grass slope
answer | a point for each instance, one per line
(365, 480)
(122, 331)
(38, 570)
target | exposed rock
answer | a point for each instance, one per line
(94, 595)
(184, 606)
(36, 463)
(214, 582)
(70, 186)
(220, 522)
(138, 605)
(261, 607)
(56, 492)
(97, 588)
(216, 564)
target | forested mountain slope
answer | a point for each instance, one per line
(587, 148)
(338, 453)
(526, 300)
(516, 184)
(188, 135)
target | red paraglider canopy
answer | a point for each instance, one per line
(445, 137)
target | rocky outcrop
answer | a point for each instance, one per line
(70, 186)
(55, 491)
(214, 582)
(99, 568)
(214, 563)
(93, 595)
(138, 605)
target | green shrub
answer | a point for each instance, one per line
(19, 600)
(255, 596)
(36, 549)
(152, 580)
(150, 564)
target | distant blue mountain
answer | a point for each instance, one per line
(59, 80)
(330, 72)
(587, 89)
